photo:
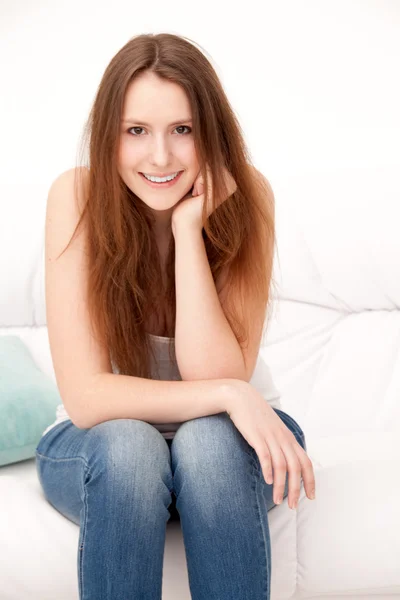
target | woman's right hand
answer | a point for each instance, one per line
(276, 446)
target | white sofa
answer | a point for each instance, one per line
(333, 347)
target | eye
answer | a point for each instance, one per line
(184, 127)
(179, 127)
(132, 128)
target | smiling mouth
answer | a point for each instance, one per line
(162, 176)
(163, 184)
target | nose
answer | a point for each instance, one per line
(160, 151)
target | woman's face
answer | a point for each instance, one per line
(164, 146)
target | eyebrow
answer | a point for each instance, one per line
(148, 124)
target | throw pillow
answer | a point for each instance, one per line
(28, 401)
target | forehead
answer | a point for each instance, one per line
(154, 100)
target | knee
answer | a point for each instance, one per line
(123, 445)
(206, 444)
(210, 463)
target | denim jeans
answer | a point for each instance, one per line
(121, 481)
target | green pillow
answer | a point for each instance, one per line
(28, 401)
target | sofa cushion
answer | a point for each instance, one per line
(28, 401)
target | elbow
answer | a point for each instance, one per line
(76, 416)
(80, 406)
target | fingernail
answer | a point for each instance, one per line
(312, 495)
(278, 500)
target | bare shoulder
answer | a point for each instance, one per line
(72, 174)
(72, 183)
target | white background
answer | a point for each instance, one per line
(315, 84)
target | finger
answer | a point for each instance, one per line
(279, 468)
(307, 470)
(196, 185)
(294, 473)
(264, 459)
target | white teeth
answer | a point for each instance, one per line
(161, 179)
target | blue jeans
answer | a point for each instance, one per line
(121, 481)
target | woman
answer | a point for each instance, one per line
(155, 315)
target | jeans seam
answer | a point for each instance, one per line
(82, 525)
(257, 491)
(81, 548)
(65, 459)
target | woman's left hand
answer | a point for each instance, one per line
(189, 209)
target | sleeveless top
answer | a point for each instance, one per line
(168, 371)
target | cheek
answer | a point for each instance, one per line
(186, 149)
(128, 154)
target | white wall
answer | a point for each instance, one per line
(315, 83)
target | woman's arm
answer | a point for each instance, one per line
(205, 345)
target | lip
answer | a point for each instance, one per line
(167, 184)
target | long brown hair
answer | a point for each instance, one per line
(124, 284)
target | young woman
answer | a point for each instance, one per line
(159, 258)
